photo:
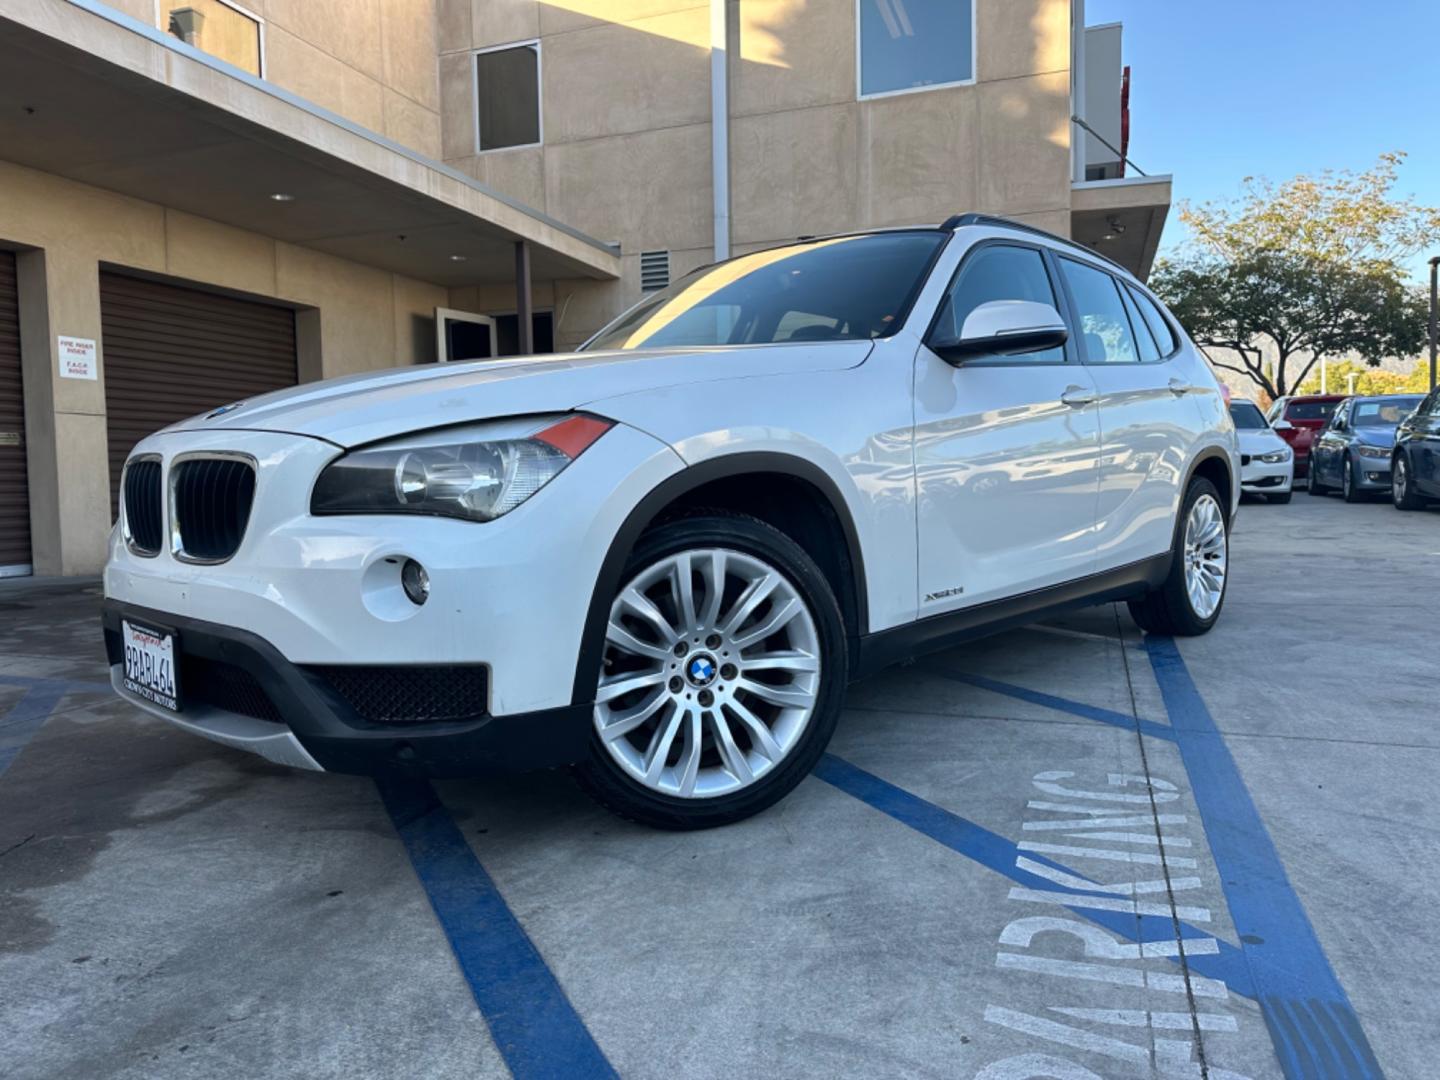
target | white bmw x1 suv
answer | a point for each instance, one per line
(662, 558)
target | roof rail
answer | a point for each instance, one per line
(955, 221)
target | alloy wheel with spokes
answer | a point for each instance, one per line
(711, 673)
(722, 674)
(1189, 598)
(1206, 556)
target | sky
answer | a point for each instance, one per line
(1222, 89)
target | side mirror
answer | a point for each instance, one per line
(1004, 326)
(1282, 424)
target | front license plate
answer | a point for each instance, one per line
(151, 670)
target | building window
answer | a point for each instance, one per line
(507, 97)
(909, 45)
(220, 28)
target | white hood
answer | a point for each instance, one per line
(359, 409)
(1254, 441)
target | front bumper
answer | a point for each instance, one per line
(254, 699)
(1259, 478)
(513, 594)
(1372, 474)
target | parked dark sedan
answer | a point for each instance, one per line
(1352, 451)
(1416, 461)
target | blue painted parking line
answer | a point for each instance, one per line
(28, 715)
(534, 1026)
(996, 853)
(1311, 1021)
(25, 718)
(1060, 704)
(70, 686)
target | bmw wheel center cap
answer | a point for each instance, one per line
(701, 670)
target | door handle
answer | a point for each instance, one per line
(1077, 397)
(1179, 387)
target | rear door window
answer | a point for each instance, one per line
(1104, 327)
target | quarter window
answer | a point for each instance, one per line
(1159, 325)
(999, 272)
(507, 97)
(915, 44)
(1149, 352)
(1104, 326)
(221, 29)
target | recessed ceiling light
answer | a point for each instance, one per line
(458, 258)
(281, 196)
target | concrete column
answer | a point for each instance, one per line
(66, 439)
(524, 303)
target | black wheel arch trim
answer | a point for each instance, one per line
(592, 642)
(1214, 453)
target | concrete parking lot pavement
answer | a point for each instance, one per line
(1066, 851)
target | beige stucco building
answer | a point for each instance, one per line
(201, 199)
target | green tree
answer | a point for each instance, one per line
(1346, 217)
(1311, 265)
(1306, 307)
(1370, 381)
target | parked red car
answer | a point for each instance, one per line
(1297, 420)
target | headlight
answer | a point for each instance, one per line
(1275, 457)
(1373, 451)
(476, 473)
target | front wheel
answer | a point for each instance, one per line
(1349, 484)
(1312, 479)
(1402, 491)
(1279, 500)
(723, 675)
(1188, 602)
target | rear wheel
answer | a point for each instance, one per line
(1189, 601)
(723, 675)
(1402, 489)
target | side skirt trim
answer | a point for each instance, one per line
(886, 647)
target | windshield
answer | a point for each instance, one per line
(1247, 416)
(1384, 412)
(1311, 410)
(849, 288)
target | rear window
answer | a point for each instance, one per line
(1311, 410)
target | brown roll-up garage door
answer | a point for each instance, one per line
(14, 488)
(172, 352)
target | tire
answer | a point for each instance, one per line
(1402, 489)
(1280, 500)
(1312, 479)
(1350, 489)
(1170, 609)
(695, 708)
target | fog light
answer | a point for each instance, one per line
(415, 581)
